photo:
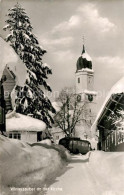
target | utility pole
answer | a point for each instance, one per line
(2, 107)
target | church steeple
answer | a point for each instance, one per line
(83, 50)
(84, 61)
(84, 82)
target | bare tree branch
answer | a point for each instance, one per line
(71, 111)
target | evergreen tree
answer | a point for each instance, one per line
(30, 100)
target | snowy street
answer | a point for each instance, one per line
(83, 177)
(51, 170)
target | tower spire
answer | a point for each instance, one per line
(83, 51)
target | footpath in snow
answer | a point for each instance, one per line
(97, 173)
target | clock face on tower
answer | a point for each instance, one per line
(90, 97)
(79, 98)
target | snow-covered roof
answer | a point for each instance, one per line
(86, 56)
(116, 89)
(7, 54)
(86, 70)
(57, 106)
(20, 122)
(90, 92)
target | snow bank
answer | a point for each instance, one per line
(24, 166)
(20, 122)
(109, 168)
(47, 142)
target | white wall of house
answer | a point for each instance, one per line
(29, 137)
(57, 136)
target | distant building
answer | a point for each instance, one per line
(57, 134)
(111, 136)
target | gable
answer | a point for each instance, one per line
(10, 80)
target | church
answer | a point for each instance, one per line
(84, 83)
(86, 98)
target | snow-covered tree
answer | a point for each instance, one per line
(116, 118)
(30, 100)
(119, 119)
(71, 112)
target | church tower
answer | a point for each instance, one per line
(84, 78)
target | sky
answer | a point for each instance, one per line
(60, 26)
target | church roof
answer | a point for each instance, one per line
(84, 61)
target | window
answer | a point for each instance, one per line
(19, 136)
(78, 80)
(15, 135)
(10, 135)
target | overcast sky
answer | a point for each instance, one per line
(60, 25)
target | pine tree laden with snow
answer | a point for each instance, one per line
(30, 100)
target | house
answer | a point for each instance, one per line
(111, 134)
(19, 126)
(57, 134)
(8, 86)
(25, 128)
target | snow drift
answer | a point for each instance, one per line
(23, 166)
(108, 167)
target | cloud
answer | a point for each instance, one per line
(52, 43)
(86, 15)
(115, 63)
(92, 17)
(73, 22)
(62, 55)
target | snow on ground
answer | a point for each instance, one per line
(97, 173)
(47, 142)
(23, 166)
(109, 168)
